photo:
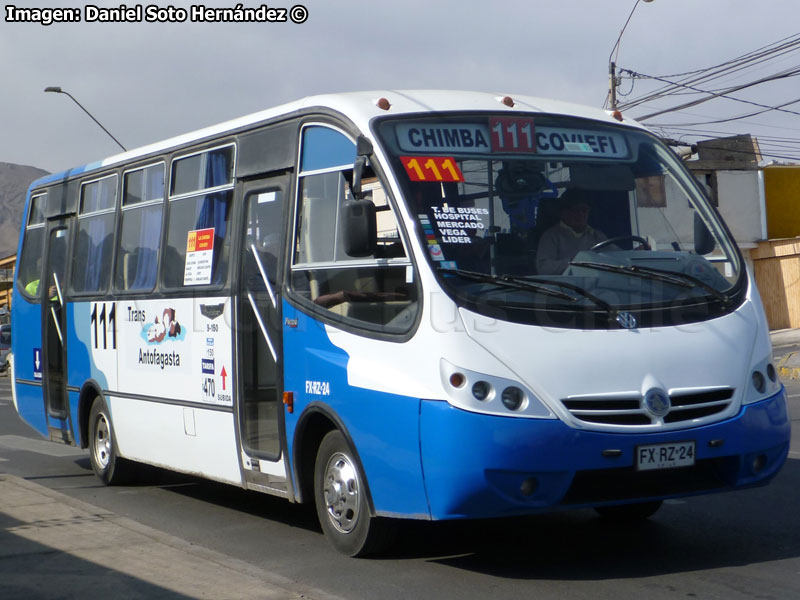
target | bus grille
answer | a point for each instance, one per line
(685, 406)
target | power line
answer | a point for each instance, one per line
(712, 95)
(749, 60)
(739, 117)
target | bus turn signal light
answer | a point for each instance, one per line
(457, 380)
(288, 400)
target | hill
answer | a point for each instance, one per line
(14, 182)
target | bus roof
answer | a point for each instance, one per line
(361, 108)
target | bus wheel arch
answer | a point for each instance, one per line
(330, 474)
(89, 392)
(314, 424)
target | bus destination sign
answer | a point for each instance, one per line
(507, 135)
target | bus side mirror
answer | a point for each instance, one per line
(359, 228)
(704, 242)
(363, 149)
(358, 172)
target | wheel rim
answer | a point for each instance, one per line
(102, 441)
(341, 492)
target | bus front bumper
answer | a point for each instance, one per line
(479, 466)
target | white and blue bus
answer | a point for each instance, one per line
(355, 300)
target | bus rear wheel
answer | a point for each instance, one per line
(109, 468)
(341, 501)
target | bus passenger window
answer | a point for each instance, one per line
(30, 261)
(92, 262)
(140, 234)
(378, 290)
(198, 239)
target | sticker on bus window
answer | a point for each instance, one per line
(432, 168)
(199, 257)
(267, 197)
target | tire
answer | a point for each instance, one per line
(340, 495)
(106, 464)
(629, 512)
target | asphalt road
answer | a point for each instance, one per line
(738, 545)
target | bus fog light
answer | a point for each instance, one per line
(481, 390)
(513, 398)
(529, 486)
(759, 462)
(759, 382)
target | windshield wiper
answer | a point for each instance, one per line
(673, 277)
(538, 285)
(510, 282)
(529, 280)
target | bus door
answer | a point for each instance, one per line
(259, 334)
(54, 330)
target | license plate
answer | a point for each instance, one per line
(664, 456)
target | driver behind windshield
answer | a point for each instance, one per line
(560, 243)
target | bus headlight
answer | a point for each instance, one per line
(513, 398)
(772, 373)
(481, 390)
(481, 393)
(759, 382)
(763, 383)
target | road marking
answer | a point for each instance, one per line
(17, 442)
(794, 454)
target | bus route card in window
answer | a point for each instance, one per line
(665, 456)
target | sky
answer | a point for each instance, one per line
(147, 81)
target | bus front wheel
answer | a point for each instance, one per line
(110, 468)
(341, 502)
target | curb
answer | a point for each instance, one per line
(187, 566)
(787, 371)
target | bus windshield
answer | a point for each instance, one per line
(522, 216)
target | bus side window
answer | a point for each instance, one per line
(30, 262)
(140, 233)
(201, 194)
(91, 270)
(378, 290)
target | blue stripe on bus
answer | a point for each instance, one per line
(475, 465)
(383, 427)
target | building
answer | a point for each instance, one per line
(776, 260)
(761, 205)
(6, 285)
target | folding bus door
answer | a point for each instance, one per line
(54, 332)
(259, 351)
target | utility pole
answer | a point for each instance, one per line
(612, 61)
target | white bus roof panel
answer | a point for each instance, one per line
(361, 108)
